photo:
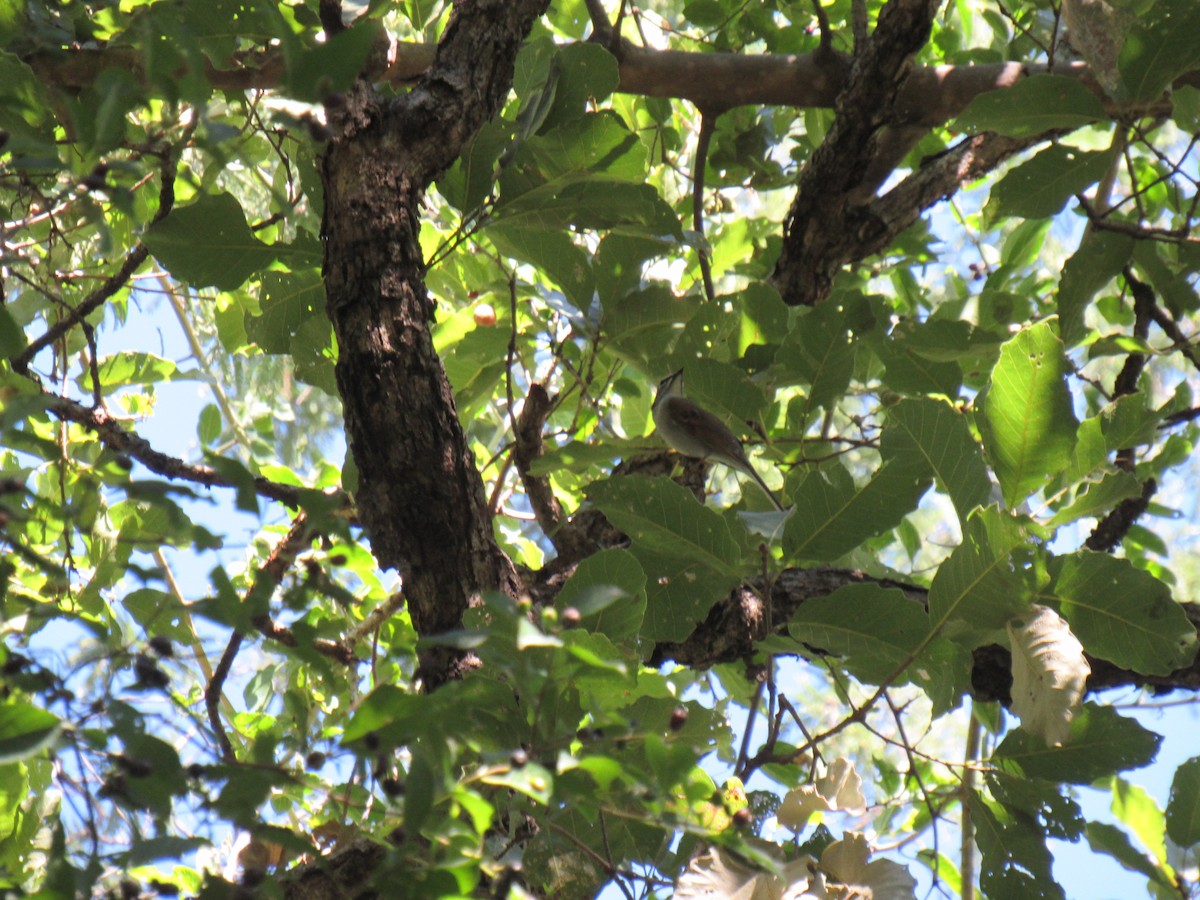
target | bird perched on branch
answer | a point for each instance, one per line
(693, 431)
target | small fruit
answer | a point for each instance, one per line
(485, 315)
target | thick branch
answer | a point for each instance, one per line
(829, 192)
(734, 626)
(930, 96)
(420, 495)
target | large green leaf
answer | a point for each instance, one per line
(1027, 422)
(313, 72)
(593, 144)
(1099, 498)
(833, 515)
(591, 202)
(1032, 106)
(25, 729)
(208, 243)
(131, 367)
(609, 591)
(725, 390)
(1183, 808)
(875, 630)
(1161, 46)
(821, 353)
(643, 325)
(691, 555)
(1042, 186)
(1102, 743)
(1112, 841)
(912, 371)
(933, 434)
(1100, 257)
(984, 581)
(472, 176)
(1015, 860)
(1123, 614)
(554, 253)
(663, 517)
(287, 300)
(585, 71)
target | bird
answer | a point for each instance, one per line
(694, 431)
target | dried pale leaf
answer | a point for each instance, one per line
(713, 875)
(716, 876)
(1049, 671)
(798, 807)
(839, 788)
(845, 862)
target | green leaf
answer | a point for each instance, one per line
(530, 779)
(210, 424)
(1127, 422)
(932, 434)
(469, 181)
(644, 324)
(609, 590)
(12, 335)
(593, 202)
(25, 730)
(1042, 186)
(131, 367)
(1032, 106)
(552, 252)
(820, 351)
(314, 72)
(597, 143)
(911, 371)
(24, 103)
(1015, 860)
(1159, 47)
(1050, 804)
(1123, 614)
(1112, 841)
(1099, 498)
(1185, 107)
(690, 554)
(833, 515)
(661, 516)
(679, 593)
(12, 19)
(1102, 743)
(875, 630)
(705, 13)
(288, 300)
(1100, 257)
(1028, 425)
(1183, 808)
(726, 391)
(208, 243)
(586, 71)
(985, 581)
(157, 777)
(1134, 806)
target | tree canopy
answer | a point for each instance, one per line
(485, 635)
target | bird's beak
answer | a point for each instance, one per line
(672, 384)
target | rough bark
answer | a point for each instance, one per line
(419, 493)
(831, 194)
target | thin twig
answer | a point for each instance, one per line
(708, 123)
(116, 437)
(966, 865)
(115, 282)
